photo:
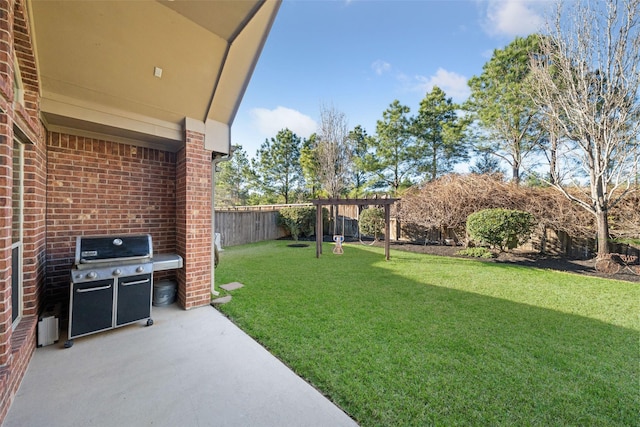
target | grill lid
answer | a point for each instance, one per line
(94, 249)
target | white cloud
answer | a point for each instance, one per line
(380, 67)
(453, 84)
(513, 17)
(270, 122)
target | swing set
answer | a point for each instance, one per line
(339, 238)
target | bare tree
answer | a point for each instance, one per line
(334, 151)
(586, 81)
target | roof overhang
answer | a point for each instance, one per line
(136, 70)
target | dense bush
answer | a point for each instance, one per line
(448, 201)
(298, 221)
(371, 221)
(500, 227)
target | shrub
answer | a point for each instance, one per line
(447, 202)
(371, 221)
(500, 227)
(476, 253)
(298, 221)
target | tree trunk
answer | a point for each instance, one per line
(434, 165)
(602, 223)
(517, 161)
(515, 169)
(553, 160)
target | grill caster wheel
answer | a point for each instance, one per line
(149, 322)
(68, 344)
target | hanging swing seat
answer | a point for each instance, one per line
(338, 239)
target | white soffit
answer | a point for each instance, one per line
(98, 61)
(240, 63)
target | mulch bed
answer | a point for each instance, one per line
(531, 259)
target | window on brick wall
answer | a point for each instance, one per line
(17, 200)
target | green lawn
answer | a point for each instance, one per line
(422, 340)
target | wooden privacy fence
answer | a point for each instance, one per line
(249, 224)
(244, 225)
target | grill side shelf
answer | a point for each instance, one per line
(163, 262)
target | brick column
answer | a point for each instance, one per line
(193, 221)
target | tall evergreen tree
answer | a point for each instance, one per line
(233, 180)
(360, 143)
(392, 159)
(439, 134)
(486, 163)
(310, 165)
(501, 103)
(278, 165)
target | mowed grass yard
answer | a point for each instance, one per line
(424, 340)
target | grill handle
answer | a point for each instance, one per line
(137, 282)
(99, 288)
(111, 260)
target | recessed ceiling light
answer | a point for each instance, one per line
(157, 71)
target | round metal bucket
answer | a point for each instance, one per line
(164, 292)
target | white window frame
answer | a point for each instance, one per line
(18, 244)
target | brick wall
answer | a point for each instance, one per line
(23, 345)
(22, 121)
(6, 144)
(6, 179)
(34, 226)
(193, 230)
(103, 187)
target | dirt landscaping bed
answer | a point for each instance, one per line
(531, 259)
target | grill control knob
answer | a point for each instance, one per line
(92, 275)
(117, 272)
(140, 269)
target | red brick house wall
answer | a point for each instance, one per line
(102, 187)
(22, 121)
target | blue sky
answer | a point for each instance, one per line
(358, 56)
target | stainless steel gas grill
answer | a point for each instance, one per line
(111, 283)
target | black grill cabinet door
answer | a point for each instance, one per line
(91, 307)
(134, 298)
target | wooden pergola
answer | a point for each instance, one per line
(386, 202)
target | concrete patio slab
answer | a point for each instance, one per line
(191, 368)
